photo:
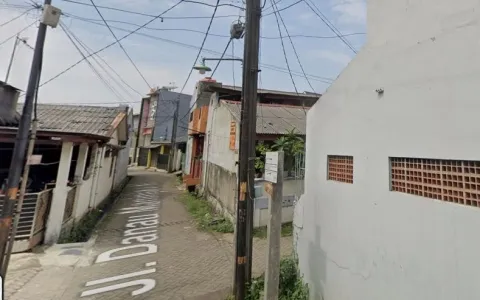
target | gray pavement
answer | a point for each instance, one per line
(183, 263)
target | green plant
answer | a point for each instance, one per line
(81, 231)
(261, 232)
(291, 144)
(261, 150)
(291, 286)
(205, 216)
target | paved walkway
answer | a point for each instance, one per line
(157, 254)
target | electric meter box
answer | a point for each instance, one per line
(51, 15)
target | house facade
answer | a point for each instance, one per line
(392, 165)
(82, 156)
(215, 132)
(155, 129)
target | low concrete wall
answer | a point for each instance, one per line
(221, 185)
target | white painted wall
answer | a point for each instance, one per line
(217, 141)
(362, 241)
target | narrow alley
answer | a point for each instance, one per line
(147, 247)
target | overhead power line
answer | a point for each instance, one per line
(265, 66)
(18, 32)
(294, 48)
(329, 24)
(111, 44)
(221, 57)
(95, 71)
(198, 55)
(282, 9)
(17, 17)
(89, 50)
(283, 49)
(120, 44)
(150, 15)
(100, 22)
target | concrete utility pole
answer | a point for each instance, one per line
(246, 167)
(274, 174)
(173, 147)
(50, 17)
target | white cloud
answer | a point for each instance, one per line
(336, 57)
(351, 11)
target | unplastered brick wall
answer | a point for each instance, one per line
(340, 168)
(455, 181)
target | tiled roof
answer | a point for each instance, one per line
(77, 119)
(274, 119)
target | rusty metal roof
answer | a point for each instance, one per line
(90, 120)
(274, 119)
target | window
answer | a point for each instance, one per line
(112, 164)
(455, 181)
(340, 168)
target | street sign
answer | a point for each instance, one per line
(271, 166)
(34, 160)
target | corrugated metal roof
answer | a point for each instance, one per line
(77, 119)
(264, 91)
(274, 119)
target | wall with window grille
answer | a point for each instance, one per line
(340, 168)
(455, 181)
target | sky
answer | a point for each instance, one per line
(165, 51)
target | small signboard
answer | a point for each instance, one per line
(271, 166)
(34, 159)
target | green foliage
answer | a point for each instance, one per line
(291, 144)
(261, 150)
(291, 286)
(205, 216)
(261, 232)
(81, 231)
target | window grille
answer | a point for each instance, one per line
(340, 168)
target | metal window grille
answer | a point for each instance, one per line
(340, 168)
(454, 181)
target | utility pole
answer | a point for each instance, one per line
(50, 17)
(15, 44)
(173, 147)
(11, 58)
(139, 127)
(246, 167)
(274, 188)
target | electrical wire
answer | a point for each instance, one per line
(294, 48)
(100, 22)
(221, 57)
(329, 24)
(120, 44)
(283, 8)
(284, 52)
(111, 44)
(15, 35)
(88, 50)
(196, 59)
(265, 66)
(105, 82)
(150, 15)
(17, 17)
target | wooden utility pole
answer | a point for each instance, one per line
(173, 147)
(274, 189)
(246, 166)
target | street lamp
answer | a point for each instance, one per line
(202, 68)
